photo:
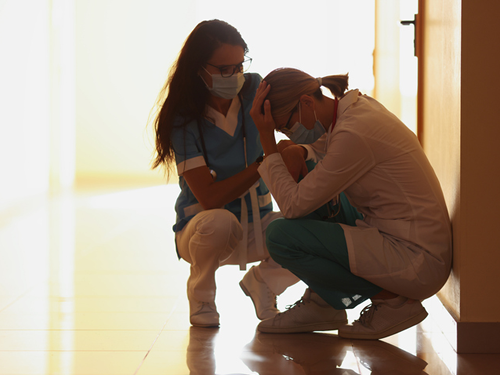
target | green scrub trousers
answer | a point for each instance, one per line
(314, 248)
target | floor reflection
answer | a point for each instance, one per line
(304, 353)
(200, 356)
(382, 358)
(90, 284)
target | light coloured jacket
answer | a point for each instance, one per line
(403, 244)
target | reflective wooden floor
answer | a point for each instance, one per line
(90, 284)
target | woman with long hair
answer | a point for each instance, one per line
(387, 237)
(203, 127)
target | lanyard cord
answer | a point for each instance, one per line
(243, 128)
(202, 141)
(242, 248)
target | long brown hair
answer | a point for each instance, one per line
(288, 85)
(184, 94)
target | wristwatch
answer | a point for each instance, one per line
(259, 160)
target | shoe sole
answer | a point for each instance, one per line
(330, 326)
(205, 325)
(388, 332)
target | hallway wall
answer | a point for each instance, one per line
(480, 159)
(460, 136)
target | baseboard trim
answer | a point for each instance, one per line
(464, 337)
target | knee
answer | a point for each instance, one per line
(218, 229)
(218, 221)
(274, 231)
(279, 238)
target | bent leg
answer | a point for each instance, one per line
(316, 252)
(205, 242)
(262, 283)
(273, 274)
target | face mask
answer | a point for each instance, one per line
(225, 87)
(302, 135)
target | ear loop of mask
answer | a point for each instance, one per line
(203, 79)
(300, 112)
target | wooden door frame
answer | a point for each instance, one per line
(419, 34)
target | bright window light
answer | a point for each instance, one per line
(326, 37)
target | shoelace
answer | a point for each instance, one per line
(366, 315)
(297, 304)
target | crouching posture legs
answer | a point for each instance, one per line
(316, 251)
(207, 242)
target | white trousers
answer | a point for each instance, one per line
(208, 241)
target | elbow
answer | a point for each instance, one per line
(205, 206)
(208, 199)
(291, 216)
(293, 207)
(209, 205)
(291, 213)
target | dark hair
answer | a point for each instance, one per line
(184, 93)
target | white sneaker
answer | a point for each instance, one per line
(203, 314)
(310, 313)
(383, 318)
(262, 297)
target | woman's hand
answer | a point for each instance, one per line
(293, 156)
(264, 121)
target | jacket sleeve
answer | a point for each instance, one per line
(347, 159)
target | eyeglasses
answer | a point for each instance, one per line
(286, 129)
(228, 70)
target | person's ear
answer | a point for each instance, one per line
(308, 101)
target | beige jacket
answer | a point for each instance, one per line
(403, 244)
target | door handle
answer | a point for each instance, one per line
(414, 23)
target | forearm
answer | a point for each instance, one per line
(219, 193)
(268, 142)
(294, 199)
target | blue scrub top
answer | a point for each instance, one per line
(225, 156)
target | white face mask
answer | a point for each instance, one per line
(301, 135)
(225, 87)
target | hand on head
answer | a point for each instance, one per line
(263, 121)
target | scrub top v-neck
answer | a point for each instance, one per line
(223, 139)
